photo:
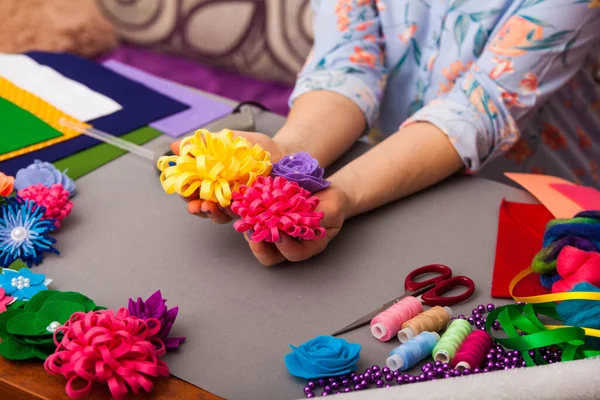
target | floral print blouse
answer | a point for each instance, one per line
(510, 82)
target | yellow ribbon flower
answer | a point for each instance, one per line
(216, 164)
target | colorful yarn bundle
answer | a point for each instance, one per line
(213, 164)
(433, 320)
(455, 335)
(410, 353)
(389, 322)
(575, 266)
(107, 347)
(55, 200)
(471, 353)
(570, 246)
(271, 206)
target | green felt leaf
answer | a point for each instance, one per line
(19, 304)
(39, 340)
(23, 324)
(59, 311)
(4, 318)
(17, 265)
(43, 352)
(98, 308)
(38, 300)
(74, 297)
(13, 350)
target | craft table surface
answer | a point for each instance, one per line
(127, 238)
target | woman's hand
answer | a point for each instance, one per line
(334, 203)
(209, 209)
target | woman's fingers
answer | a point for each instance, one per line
(212, 210)
(175, 147)
(301, 250)
(265, 253)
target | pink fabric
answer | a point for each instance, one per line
(274, 205)
(576, 266)
(587, 197)
(54, 198)
(108, 347)
(227, 84)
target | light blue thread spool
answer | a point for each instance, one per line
(410, 353)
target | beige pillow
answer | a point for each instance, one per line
(267, 39)
(75, 26)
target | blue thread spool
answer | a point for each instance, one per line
(410, 353)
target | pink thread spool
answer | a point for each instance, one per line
(389, 322)
(473, 351)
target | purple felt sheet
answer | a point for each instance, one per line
(203, 110)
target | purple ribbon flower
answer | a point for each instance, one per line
(303, 169)
(156, 307)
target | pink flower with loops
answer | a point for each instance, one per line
(54, 198)
(272, 206)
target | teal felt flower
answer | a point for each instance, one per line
(22, 284)
(28, 332)
(321, 357)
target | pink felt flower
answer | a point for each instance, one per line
(4, 300)
(107, 347)
(274, 205)
(54, 198)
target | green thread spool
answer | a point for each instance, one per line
(455, 334)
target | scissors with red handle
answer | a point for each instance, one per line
(432, 291)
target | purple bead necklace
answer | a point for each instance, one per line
(498, 359)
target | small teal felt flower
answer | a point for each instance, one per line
(22, 284)
(323, 356)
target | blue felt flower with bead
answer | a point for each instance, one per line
(44, 173)
(323, 356)
(22, 284)
(23, 232)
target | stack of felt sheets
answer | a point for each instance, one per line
(38, 90)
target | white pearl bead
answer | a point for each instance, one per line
(19, 286)
(27, 280)
(18, 234)
(53, 326)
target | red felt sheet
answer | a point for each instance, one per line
(520, 233)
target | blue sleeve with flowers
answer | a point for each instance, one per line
(347, 57)
(537, 47)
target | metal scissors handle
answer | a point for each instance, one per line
(442, 284)
(431, 291)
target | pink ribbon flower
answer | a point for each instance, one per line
(107, 347)
(274, 205)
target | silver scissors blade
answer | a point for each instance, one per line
(367, 318)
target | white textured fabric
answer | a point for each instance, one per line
(67, 95)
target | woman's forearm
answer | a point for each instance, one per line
(410, 160)
(322, 123)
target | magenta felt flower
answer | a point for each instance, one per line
(54, 198)
(155, 307)
(303, 169)
(275, 205)
(4, 300)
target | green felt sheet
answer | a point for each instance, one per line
(88, 160)
(20, 128)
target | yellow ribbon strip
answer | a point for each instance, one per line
(41, 109)
(213, 164)
(554, 297)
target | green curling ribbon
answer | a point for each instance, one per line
(523, 318)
